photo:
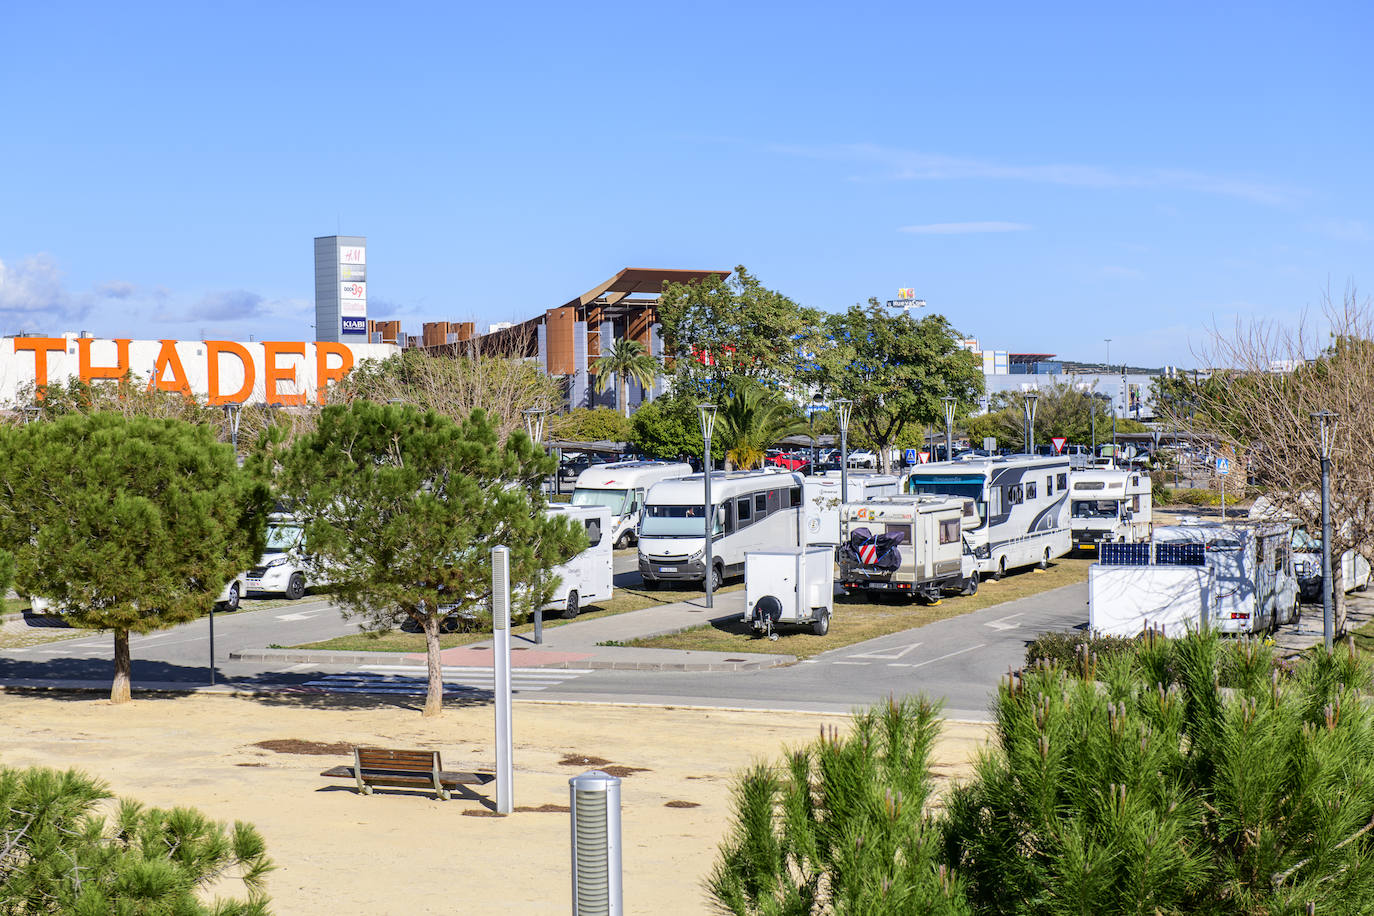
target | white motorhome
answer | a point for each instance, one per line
(753, 510)
(588, 576)
(911, 545)
(283, 564)
(621, 487)
(1109, 505)
(823, 501)
(1236, 578)
(1354, 570)
(1021, 503)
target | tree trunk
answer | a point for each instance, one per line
(1338, 597)
(434, 698)
(624, 393)
(119, 690)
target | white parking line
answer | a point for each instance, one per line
(950, 655)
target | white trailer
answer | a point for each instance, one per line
(621, 487)
(823, 501)
(1248, 584)
(752, 510)
(794, 585)
(590, 575)
(1112, 506)
(912, 545)
(1021, 503)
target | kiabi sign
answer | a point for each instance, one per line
(221, 371)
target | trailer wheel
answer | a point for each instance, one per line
(1001, 569)
(570, 609)
(821, 626)
(970, 585)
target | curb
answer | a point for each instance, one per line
(605, 664)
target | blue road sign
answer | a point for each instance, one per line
(1223, 466)
(909, 456)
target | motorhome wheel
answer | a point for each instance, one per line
(716, 577)
(1045, 563)
(232, 602)
(821, 625)
(1001, 569)
(624, 541)
(971, 585)
(570, 610)
(295, 587)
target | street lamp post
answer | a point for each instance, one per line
(817, 403)
(844, 407)
(950, 402)
(232, 414)
(1029, 404)
(534, 426)
(708, 423)
(1326, 433)
(1092, 413)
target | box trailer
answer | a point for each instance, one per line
(911, 545)
(793, 586)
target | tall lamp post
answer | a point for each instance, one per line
(843, 408)
(534, 426)
(232, 414)
(1326, 434)
(950, 402)
(817, 403)
(708, 423)
(1031, 398)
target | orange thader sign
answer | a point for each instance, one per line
(332, 362)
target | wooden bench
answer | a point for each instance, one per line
(380, 766)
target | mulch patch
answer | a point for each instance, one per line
(481, 812)
(676, 803)
(297, 746)
(563, 809)
(601, 763)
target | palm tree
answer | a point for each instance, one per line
(626, 359)
(752, 419)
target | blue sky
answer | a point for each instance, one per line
(1045, 177)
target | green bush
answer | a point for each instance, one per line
(1067, 648)
(1197, 775)
(1188, 496)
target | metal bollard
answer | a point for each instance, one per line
(500, 625)
(594, 802)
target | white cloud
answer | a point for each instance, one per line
(964, 228)
(226, 305)
(33, 297)
(913, 165)
(116, 289)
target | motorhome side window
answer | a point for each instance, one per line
(1063, 481)
(1049, 486)
(593, 532)
(742, 513)
(761, 504)
(949, 531)
(794, 497)
(1014, 495)
(1030, 490)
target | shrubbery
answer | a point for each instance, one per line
(1166, 776)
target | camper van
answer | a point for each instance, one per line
(823, 501)
(1109, 505)
(753, 510)
(282, 566)
(911, 545)
(1235, 577)
(1021, 502)
(589, 575)
(621, 487)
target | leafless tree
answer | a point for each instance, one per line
(1266, 383)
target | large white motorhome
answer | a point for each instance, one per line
(588, 576)
(1235, 577)
(283, 565)
(621, 487)
(1109, 505)
(823, 501)
(1021, 502)
(754, 510)
(911, 545)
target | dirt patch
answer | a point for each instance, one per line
(297, 746)
(620, 772)
(577, 760)
(481, 812)
(250, 764)
(562, 809)
(677, 803)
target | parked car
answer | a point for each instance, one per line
(863, 458)
(792, 461)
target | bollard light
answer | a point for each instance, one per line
(500, 627)
(594, 806)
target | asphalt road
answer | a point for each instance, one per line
(959, 660)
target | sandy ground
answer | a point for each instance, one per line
(404, 852)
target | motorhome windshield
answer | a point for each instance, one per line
(676, 521)
(283, 537)
(969, 488)
(1096, 508)
(615, 500)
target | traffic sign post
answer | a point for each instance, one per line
(909, 456)
(1223, 468)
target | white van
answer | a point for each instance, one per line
(282, 567)
(754, 510)
(621, 487)
(1109, 505)
(589, 575)
(823, 501)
